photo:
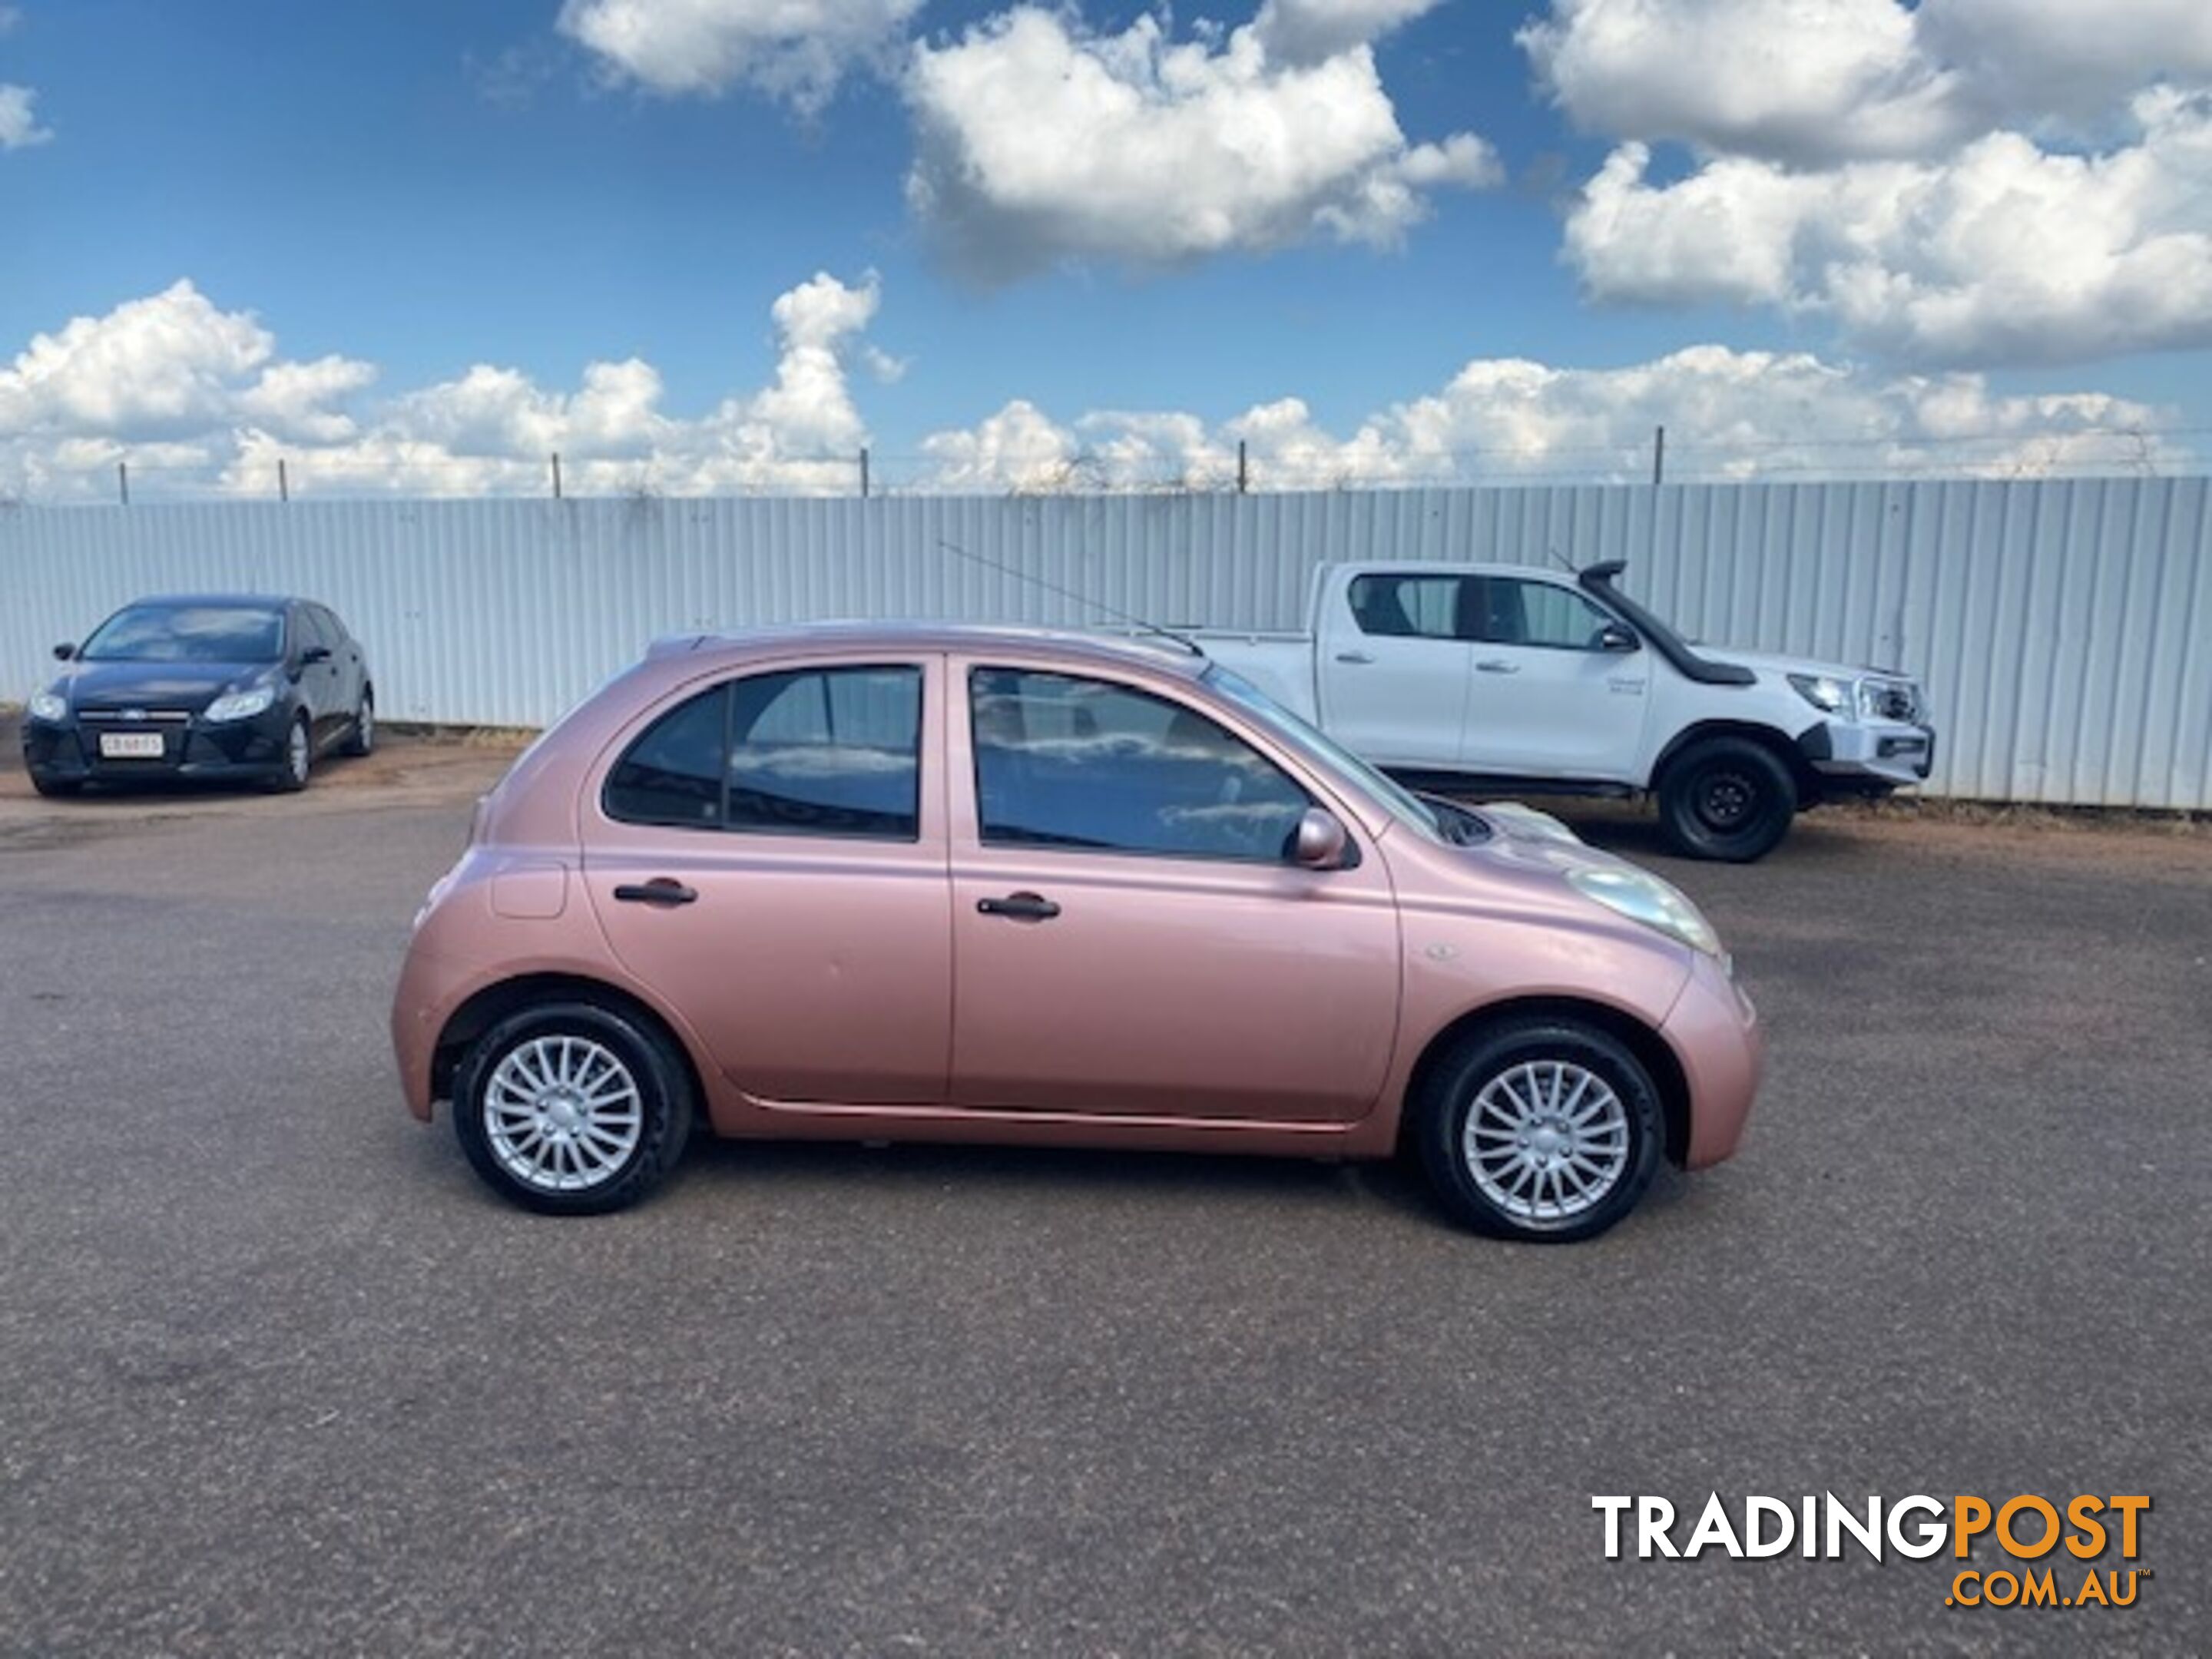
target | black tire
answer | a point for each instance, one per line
(298, 763)
(57, 788)
(652, 1070)
(1729, 799)
(360, 736)
(1501, 1194)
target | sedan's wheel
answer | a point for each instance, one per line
(299, 757)
(1727, 798)
(571, 1109)
(1540, 1129)
(56, 788)
(362, 739)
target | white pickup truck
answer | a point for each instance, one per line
(1458, 676)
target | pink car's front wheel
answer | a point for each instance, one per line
(1542, 1129)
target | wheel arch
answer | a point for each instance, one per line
(1657, 1056)
(1771, 738)
(494, 1003)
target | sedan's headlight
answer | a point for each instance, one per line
(239, 705)
(1644, 897)
(49, 706)
(1824, 691)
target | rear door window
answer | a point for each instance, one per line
(832, 751)
(1424, 607)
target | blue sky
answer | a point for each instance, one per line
(1954, 235)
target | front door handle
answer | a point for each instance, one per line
(1495, 666)
(1353, 656)
(661, 890)
(1021, 907)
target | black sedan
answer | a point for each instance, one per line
(216, 686)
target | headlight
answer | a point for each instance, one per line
(1644, 897)
(49, 706)
(239, 705)
(1889, 699)
(1825, 692)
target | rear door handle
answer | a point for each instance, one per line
(1353, 656)
(1020, 906)
(1495, 666)
(661, 890)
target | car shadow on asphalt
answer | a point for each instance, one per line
(1396, 1187)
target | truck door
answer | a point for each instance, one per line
(1547, 698)
(1394, 669)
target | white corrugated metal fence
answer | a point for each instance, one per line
(2064, 629)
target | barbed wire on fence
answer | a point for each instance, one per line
(2135, 451)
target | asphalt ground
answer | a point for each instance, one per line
(277, 1376)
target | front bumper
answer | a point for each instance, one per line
(227, 751)
(1869, 755)
(1714, 1033)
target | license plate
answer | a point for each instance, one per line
(131, 745)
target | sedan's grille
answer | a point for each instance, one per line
(134, 716)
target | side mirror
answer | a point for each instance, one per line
(313, 655)
(1618, 636)
(64, 653)
(1320, 842)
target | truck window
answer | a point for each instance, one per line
(1538, 613)
(1409, 607)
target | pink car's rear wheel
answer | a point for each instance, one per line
(571, 1108)
(1545, 1130)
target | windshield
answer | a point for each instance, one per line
(188, 633)
(1318, 745)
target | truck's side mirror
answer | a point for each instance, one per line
(1322, 841)
(1618, 636)
(64, 653)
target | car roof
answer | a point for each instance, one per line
(1101, 649)
(266, 601)
(1461, 567)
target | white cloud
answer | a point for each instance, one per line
(1042, 141)
(1312, 31)
(1793, 79)
(197, 400)
(1964, 181)
(2040, 62)
(155, 367)
(1809, 82)
(1730, 414)
(797, 50)
(2004, 252)
(19, 125)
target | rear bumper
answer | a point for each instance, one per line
(431, 988)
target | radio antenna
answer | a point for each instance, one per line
(1139, 623)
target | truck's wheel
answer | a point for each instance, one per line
(1729, 798)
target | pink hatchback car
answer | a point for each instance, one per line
(972, 884)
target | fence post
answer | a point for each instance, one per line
(557, 475)
(283, 483)
(1659, 457)
(123, 481)
(864, 472)
(1243, 471)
